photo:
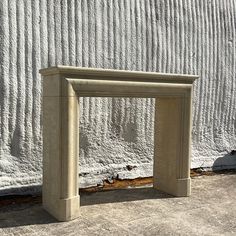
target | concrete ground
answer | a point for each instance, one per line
(211, 210)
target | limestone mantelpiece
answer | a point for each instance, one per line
(62, 87)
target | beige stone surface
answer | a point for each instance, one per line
(60, 122)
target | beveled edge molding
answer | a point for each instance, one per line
(63, 85)
(106, 74)
(114, 88)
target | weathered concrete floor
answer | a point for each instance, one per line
(211, 210)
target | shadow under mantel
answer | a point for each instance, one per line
(33, 213)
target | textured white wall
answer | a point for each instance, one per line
(174, 36)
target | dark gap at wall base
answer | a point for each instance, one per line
(36, 198)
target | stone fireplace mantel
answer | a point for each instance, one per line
(62, 87)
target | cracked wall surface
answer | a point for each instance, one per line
(174, 36)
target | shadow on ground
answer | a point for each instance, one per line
(25, 214)
(211, 210)
(121, 195)
(226, 162)
(33, 213)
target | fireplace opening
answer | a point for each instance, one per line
(116, 138)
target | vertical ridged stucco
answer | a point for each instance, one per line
(174, 36)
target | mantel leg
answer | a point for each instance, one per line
(172, 145)
(60, 174)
